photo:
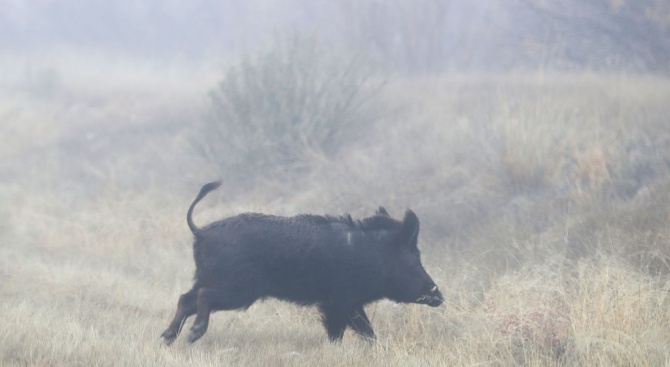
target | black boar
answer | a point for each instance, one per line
(336, 263)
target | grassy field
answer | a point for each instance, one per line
(544, 202)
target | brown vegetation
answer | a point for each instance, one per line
(543, 199)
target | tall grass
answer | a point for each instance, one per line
(543, 203)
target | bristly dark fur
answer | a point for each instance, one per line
(374, 223)
(337, 263)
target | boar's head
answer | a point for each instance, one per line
(407, 280)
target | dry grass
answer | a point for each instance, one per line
(544, 207)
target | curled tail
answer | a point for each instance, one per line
(204, 191)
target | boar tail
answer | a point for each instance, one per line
(204, 191)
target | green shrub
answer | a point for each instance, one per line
(275, 113)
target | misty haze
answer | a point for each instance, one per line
(531, 138)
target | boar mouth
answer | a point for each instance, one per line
(433, 299)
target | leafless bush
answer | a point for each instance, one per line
(278, 111)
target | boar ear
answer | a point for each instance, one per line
(382, 211)
(410, 227)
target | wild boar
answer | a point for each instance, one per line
(336, 263)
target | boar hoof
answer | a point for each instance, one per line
(197, 330)
(169, 336)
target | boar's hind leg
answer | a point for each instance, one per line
(204, 303)
(213, 299)
(359, 322)
(185, 308)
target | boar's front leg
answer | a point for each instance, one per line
(359, 322)
(335, 320)
(337, 317)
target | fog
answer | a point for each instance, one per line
(530, 137)
(424, 36)
(101, 88)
